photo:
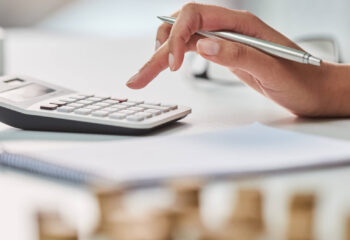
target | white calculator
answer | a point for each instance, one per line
(31, 104)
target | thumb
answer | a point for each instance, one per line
(236, 55)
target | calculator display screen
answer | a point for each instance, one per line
(26, 92)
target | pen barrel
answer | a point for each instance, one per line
(267, 47)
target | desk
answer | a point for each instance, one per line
(102, 66)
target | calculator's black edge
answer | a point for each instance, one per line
(41, 123)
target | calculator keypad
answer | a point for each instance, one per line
(108, 107)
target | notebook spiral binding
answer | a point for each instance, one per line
(39, 167)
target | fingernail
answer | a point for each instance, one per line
(208, 47)
(171, 61)
(131, 80)
(157, 45)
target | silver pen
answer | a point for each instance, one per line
(265, 46)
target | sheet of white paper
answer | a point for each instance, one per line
(245, 150)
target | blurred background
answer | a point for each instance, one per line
(115, 18)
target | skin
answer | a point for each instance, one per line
(305, 90)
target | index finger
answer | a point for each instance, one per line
(151, 69)
(156, 64)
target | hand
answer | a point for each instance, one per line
(305, 90)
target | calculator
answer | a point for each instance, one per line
(32, 104)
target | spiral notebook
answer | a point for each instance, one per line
(236, 152)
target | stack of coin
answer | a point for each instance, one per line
(301, 217)
(52, 227)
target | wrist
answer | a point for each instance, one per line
(335, 93)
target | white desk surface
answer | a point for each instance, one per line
(102, 66)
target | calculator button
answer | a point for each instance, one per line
(127, 112)
(83, 111)
(102, 104)
(154, 112)
(48, 107)
(100, 114)
(136, 101)
(170, 106)
(120, 99)
(85, 95)
(84, 102)
(58, 103)
(77, 97)
(117, 115)
(136, 109)
(94, 99)
(65, 109)
(163, 109)
(144, 114)
(129, 104)
(135, 118)
(101, 97)
(119, 107)
(109, 101)
(147, 106)
(110, 110)
(93, 107)
(67, 100)
(153, 103)
(75, 105)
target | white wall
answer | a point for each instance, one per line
(116, 17)
(14, 13)
(294, 18)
